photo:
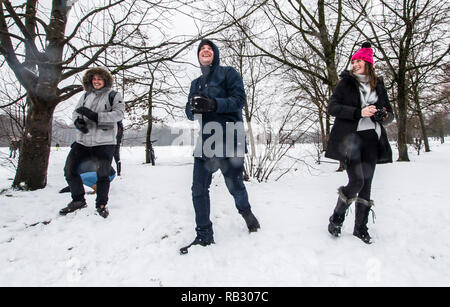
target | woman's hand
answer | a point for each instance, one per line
(368, 111)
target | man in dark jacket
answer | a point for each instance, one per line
(216, 99)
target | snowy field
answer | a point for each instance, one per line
(151, 217)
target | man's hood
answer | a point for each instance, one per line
(216, 59)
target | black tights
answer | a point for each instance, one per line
(361, 161)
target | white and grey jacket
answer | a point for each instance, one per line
(104, 132)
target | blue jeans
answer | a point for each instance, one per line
(232, 170)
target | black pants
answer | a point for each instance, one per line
(102, 156)
(361, 161)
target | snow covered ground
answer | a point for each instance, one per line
(151, 217)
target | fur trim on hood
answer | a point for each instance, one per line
(87, 78)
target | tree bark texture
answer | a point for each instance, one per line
(35, 149)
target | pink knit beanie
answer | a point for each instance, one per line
(365, 53)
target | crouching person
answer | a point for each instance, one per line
(95, 118)
(88, 173)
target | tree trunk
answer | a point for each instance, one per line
(35, 149)
(150, 125)
(441, 128)
(402, 119)
(402, 138)
(252, 154)
(323, 136)
(423, 129)
(328, 128)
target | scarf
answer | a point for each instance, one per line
(368, 97)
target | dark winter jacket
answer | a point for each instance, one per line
(345, 106)
(223, 84)
(103, 132)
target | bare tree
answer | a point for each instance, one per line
(13, 106)
(311, 95)
(156, 89)
(439, 121)
(308, 39)
(45, 59)
(49, 59)
(283, 125)
(421, 95)
(268, 142)
(255, 72)
(150, 85)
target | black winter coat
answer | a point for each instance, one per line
(345, 106)
(223, 84)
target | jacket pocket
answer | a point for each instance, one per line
(105, 135)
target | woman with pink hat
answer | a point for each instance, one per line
(361, 108)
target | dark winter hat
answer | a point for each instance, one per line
(102, 72)
(205, 42)
(365, 53)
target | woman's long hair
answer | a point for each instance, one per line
(373, 78)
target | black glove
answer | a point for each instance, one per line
(81, 125)
(88, 113)
(203, 104)
(379, 116)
